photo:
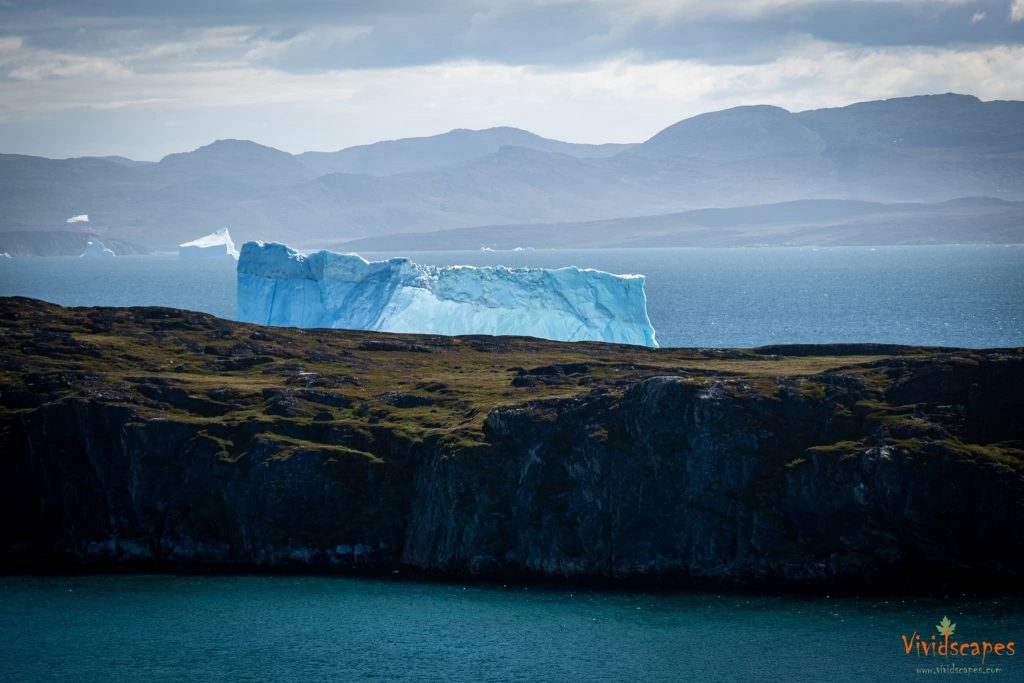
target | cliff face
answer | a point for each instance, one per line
(169, 437)
(674, 479)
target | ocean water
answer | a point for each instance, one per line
(969, 296)
(166, 628)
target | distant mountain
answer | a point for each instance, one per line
(925, 122)
(825, 222)
(58, 243)
(733, 134)
(923, 150)
(233, 159)
(124, 161)
(40, 194)
(454, 147)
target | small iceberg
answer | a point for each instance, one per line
(80, 218)
(95, 248)
(217, 244)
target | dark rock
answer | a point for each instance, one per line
(284, 405)
(559, 369)
(487, 345)
(434, 387)
(18, 397)
(313, 379)
(831, 349)
(377, 345)
(326, 398)
(58, 344)
(180, 398)
(233, 364)
(225, 394)
(557, 374)
(241, 349)
(399, 399)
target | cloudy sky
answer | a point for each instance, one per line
(143, 79)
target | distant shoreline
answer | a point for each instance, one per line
(469, 250)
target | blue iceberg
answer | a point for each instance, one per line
(280, 286)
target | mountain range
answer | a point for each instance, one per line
(888, 169)
(806, 222)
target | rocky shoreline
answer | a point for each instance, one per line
(161, 439)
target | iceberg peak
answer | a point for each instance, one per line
(217, 244)
(95, 248)
(278, 285)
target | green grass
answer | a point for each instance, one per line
(840, 448)
(293, 446)
(1009, 457)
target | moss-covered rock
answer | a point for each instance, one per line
(133, 435)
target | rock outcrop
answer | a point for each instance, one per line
(125, 440)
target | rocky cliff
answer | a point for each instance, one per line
(157, 437)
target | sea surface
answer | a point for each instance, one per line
(167, 628)
(969, 296)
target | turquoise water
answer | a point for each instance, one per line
(945, 295)
(164, 628)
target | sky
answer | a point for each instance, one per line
(144, 79)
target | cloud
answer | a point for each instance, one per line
(1017, 11)
(308, 35)
(70, 66)
(80, 218)
(24, 63)
(317, 43)
(624, 99)
(144, 79)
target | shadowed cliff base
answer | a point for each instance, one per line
(151, 438)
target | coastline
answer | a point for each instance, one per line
(160, 439)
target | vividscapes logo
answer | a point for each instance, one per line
(944, 645)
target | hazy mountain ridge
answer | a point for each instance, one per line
(241, 159)
(797, 223)
(737, 133)
(922, 149)
(58, 243)
(390, 157)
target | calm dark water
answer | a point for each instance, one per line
(946, 295)
(162, 628)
